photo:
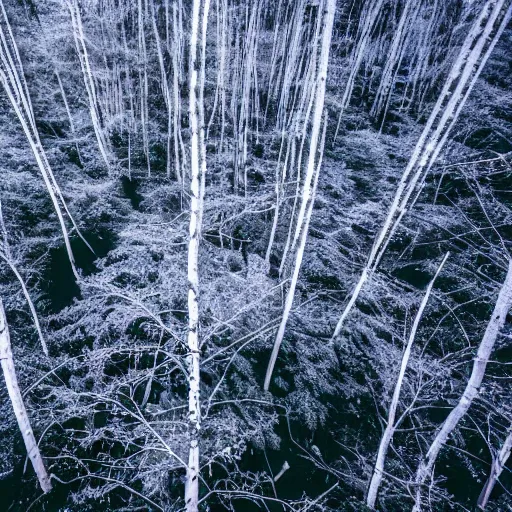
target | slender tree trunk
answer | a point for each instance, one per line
(309, 92)
(279, 193)
(194, 406)
(498, 465)
(387, 437)
(467, 68)
(13, 389)
(68, 112)
(165, 86)
(6, 255)
(298, 262)
(90, 86)
(14, 84)
(179, 148)
(357, 59)
(503, 305)
(200, 110)
(143, 81)
(394, 62)
(330, 7)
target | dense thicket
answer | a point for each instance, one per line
(255, 255)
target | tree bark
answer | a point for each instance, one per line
(330, 8)
(499, 315)
(390, 427)
(90, 87)
(357, 58)
(18, 406)
(498, 464)
(295, 276)
(194, 406)
(308, 191)
(13, 81)
(467, 68)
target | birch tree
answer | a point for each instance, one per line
(196, 207)
(307, 193)
(367, 25)
(154, 398)
(179, 148)
(89, 82)
(143, 79)
(7, 256)
(475, 51)
(391, 424)
(498, 465)
(495, 325)
(394, 60)
(15, 86)
(18, 405)
(165, 92)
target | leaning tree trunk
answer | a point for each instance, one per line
(307, 194)
(498, 464)
(368, 25)
(12, 78)
(330, 7)
(89, 82)
(6, 255)
(387, 437)
(164, 86)
(13, 389)
(475, 51)
(298, 261)
(499, 315)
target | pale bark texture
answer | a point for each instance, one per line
(296, 269)
(497, 467)
(194, 406)
(391, 425)
(18, 406)
(330, 7)
(472, 58)
(496, 323)
(13, 81)
(368, 25)
(89, 82)
(307, 193)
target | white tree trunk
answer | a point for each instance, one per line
(308, 190)
(194, 406)
(90, 87)
(330, 8)
(31, 306)
(68, 112)
(13, 82)
(295, 276)
(13, 389)
(469, 64)
(357, 58)
(143, 80)
(179, 148)
(308, 98)
(503, 305)
(6, 255)
(165, 86)
(394, 60)
(200, 110)
(497, 467)
(390, 427)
